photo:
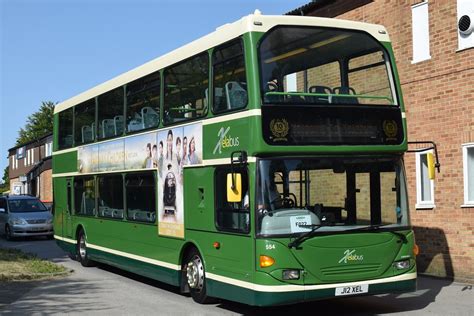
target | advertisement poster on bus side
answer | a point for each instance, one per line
(111, 156)
(177, 147)
(88, 159)
(133, 153)
(141, 152)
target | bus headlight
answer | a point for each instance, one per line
(400, 265)
(291, 274)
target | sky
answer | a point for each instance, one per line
(51, 50)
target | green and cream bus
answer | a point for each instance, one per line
(262, 163)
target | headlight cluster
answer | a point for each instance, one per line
(400, 265)
(291, 274)
(19, 221)
(49, 221)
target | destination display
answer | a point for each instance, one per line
(335, 125)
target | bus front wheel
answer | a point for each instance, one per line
(196, 277)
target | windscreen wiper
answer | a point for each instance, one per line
(376, 228)
(298, 240)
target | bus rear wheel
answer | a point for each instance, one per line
(196, 277)
(81, 250)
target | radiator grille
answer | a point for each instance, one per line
(351, 269)
(36, 221)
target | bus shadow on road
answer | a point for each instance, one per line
(428, 289)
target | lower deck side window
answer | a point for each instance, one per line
(84, 196)
(141, 197)
(110, 196)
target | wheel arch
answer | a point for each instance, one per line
(187, 248)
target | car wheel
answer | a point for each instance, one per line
(8, 233)
(196, 277)
(81, 250)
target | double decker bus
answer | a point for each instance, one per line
(262, 163)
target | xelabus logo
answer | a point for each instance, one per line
(349, 255)
(225, 141)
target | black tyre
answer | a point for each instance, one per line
(8, 233)
(81, 250)
(195, 274)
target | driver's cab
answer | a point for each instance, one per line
(296, 195)
(278, 207)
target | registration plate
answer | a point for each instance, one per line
(352, 290)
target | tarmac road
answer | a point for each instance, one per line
(105, 290)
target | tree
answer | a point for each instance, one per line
(6, 177)
(5, 185)
(38, 124)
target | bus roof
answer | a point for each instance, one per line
(252, 23)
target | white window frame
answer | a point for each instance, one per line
(465, 148)
(48, 149)
(420, 30)
(420, 204)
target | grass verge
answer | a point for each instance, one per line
(16, 266)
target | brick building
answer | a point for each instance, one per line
(434, 49)
(30, 168)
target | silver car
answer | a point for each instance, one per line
(22, 215)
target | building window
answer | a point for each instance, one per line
(468, 167)
(420, 32)
(48, 149)
(424, 185)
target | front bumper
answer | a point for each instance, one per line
(270, 295)
(32, 230)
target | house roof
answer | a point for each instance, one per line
(40, 140)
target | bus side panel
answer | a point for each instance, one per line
(62, 218)
(65, 162)
(133, 246)
(234, 256)
(199, 198)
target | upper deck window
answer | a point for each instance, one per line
(230, 83)
(65, 129)
(110, 114)
(185, 89)
(84, 122)
(310, 65)
(143, 103)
